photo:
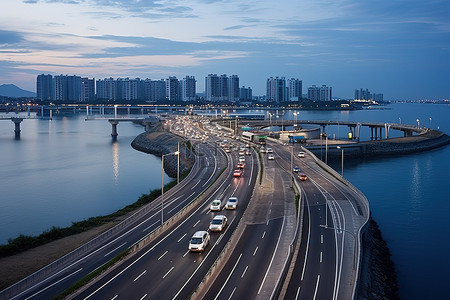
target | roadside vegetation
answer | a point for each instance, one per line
(25, 242)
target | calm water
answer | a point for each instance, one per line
(67, 169)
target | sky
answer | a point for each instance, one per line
(400, 48)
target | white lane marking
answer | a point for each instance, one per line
(182, 202)
(186, 253)
(307, 241)
(264, 234)
(114, 250)
(321, 238)
(55, 283)
(232, 293)
(251, 172)
(321, 256)
(213, 172)
(196, 223)
(163, 255)
(243, 273)
(168, 272)
(228, 278)
(298, 293)
(143, 297)
(267, 223)
(256, 249)
(157, 222)
(140, 275)
(195, 185)
(182, 237)
(114, 297)
(273, 256)
(317, 287)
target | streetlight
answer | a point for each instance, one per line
(430, 122)
(400, 120)
(342, 164)
(177, 153)
(418, 123)
(295, 117)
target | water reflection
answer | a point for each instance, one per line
(115, 161)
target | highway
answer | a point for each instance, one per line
(73, 267)
(165, 268)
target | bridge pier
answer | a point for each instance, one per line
(17, 122)
(114, 123)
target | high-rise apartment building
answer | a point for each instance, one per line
(233, 88)
(212, 88)
(87, 90)
(295, 89)
(245, 93)
(107, 89)
(67, 88)
(276, 89)
(173, 89)
(322, 93)
(188, 88)
(44, 87)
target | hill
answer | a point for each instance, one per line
(11, 90)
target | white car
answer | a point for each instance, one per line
(271, 156)
(241, 158)
(269, 150)
(215, 205)
(218, 223)
(199, 241)
(301, 154)
(231, 203)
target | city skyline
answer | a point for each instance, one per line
(399, 48)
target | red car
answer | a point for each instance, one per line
(240, 165)
(237, 173)
(302, 176)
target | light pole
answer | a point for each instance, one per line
(162, 182)
(295, 123)
(342, 163)
(430, 122)
(400, 120)
(418, 123)
(326, 149)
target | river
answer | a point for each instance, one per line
(67, 169)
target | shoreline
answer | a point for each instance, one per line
(18, 266)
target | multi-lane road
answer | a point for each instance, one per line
(324, 257)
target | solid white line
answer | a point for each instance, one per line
(254, 252)
(168, 272)
(143, 297)
(182, 237)
(307, 241)
(317, 287)
(273, 256)
(251, 173)
(243, 273)
(114, 250)
(55, 283)
(213, 172)
(195, 185)
(298, 293)
(196, 223)
(163, 255)
(140, 275)
(159, 220)
(231, 273)
(232, 293)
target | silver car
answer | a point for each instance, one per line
(231, 203)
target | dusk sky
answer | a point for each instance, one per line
(400, 48)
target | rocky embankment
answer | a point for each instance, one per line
(157, 141)
(378, 279)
